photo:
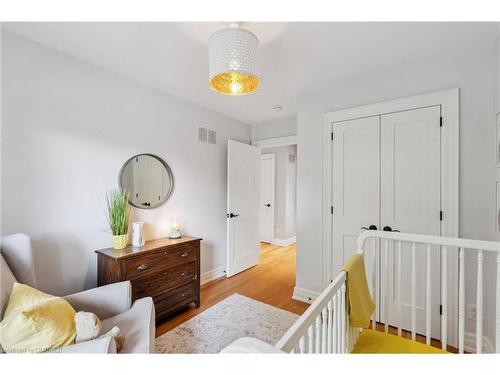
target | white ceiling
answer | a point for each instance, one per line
(295, 57)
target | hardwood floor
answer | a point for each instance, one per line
(271, 281)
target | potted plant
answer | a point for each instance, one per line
(118, 215)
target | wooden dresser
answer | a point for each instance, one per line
(165, 269)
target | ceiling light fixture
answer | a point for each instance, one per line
(233, 61)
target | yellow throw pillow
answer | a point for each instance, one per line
(36, 322)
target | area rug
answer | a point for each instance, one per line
(218, 326)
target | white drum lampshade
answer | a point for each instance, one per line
(233, 61)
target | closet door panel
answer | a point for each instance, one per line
(356, 184)
(410, 202)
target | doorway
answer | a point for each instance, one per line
(278, 195)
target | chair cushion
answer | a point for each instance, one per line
(375, 342)
(7, 281)
(137, 324)
(36, 322)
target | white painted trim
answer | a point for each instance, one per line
(470, 344)
(304, 295)
(212, 275)
(449, 102)
(275, 142)
(271, 156)
(287, 242)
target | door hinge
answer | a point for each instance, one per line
(331, 210)
(440, 309)
(331, 136)
(441, 122)
(440, 215)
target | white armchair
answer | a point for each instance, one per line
(111, 303)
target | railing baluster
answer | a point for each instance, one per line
(413, 292)
(310, 341)
(398, 288)
(386, 286)
(374, 282)
(302, 345)
(334, 324)
(324, 323)
(317, 345)
(444, 298)
(330, 327)
(428, 298)
(343, 320)
(461, 303)
(479, 303)
(339, 323)
(497, 312)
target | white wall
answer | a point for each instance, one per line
(276, 128)
(68, 126)
(473, 74)
(285, 191)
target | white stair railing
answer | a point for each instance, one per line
(445, 244)
(324, 326)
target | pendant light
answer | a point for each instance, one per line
(233, 61)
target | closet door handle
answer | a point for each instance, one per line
(267, 205)
(389, 229)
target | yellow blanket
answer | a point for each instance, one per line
(361, 306)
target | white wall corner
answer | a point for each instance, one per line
(304, 295)
(470, 344)
(211, 275)
(287, 242)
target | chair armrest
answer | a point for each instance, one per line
(250, 345)
(101, 345)
(105, 301)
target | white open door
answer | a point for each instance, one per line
(243, 164)
(267, 177)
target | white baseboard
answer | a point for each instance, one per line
(470, 343)
(287, 242)
(211, 275)
(304, 295)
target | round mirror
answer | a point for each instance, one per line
(148, 179)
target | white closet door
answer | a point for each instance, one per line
(410, 202)
(356, 185)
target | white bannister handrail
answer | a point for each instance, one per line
(324, 326)
(424, 239)
(300, 328)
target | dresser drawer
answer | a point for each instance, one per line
(164, 280)
(160, 260)
(175, 299)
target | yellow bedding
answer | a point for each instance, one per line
(361, 306)
(374, 342)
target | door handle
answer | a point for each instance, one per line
(231, 215)
(268, 205)
(389, 229)
(143, 267)
(371, 227)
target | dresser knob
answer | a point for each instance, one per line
(183, 295)
(184, 254)
(143, 267)
(183, 273)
